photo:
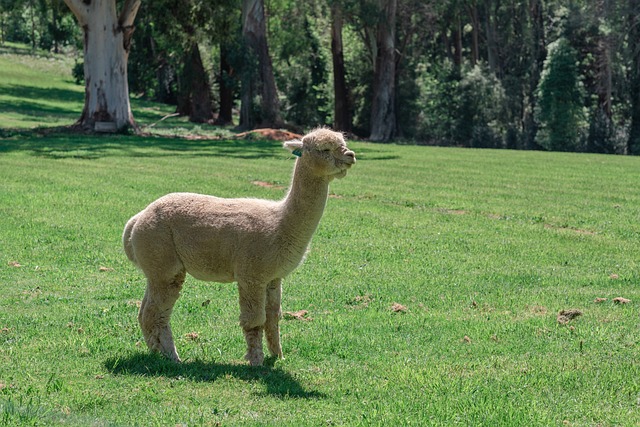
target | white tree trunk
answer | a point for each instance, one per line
(107, 39)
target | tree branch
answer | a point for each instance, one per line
(125, 21)
(80, 10)
(128, 13)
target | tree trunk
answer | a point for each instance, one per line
(225, 115)
(195, 91)
(254, 30)
(342, 118)
(55, 26)
(457, 41)
(107, 41)
(604, 64)
(538, 54)
(490, 34)
(475, 30)
(633, 145)
(383, 114)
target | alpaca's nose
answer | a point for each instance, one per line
(350, 157)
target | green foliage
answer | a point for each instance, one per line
(560, 105)
(437, 101)
(480, 113)
(465, 110)
(301, 66)
(507, 40)
(44, 24)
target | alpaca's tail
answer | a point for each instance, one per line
(126, 239)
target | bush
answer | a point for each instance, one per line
(560, 107)
(461, 107)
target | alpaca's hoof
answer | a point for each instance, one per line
(173, 357)
(255, 358)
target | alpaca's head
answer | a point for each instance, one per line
(324, 152)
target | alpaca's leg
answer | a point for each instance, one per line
(155, 313)
(273, 313)
(252, 318)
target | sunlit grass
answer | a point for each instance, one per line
(432, 288)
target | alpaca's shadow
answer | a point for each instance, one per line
(276, 381)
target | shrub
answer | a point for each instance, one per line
(560, 107)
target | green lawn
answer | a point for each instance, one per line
(477, 250)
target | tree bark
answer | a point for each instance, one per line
(195, 99)
(341, 116)
(107, 41)
(225, 115)
(536, 61)
(475, 30)
(254, 30)
(490, 34)
(633, 144)
(383, 114)
(457, 41)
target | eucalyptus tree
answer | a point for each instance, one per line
(107, 42)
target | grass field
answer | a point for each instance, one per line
(432, 288)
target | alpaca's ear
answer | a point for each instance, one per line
(295, 146)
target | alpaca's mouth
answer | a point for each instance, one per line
(341, 174)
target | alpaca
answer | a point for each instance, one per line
(253, 242)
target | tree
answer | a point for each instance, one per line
(633, 144)
(383, 111)
(258, 79)
(107, 41)
(341, 116)
(194, 96)
(560, 99)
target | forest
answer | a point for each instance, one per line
(560, 75)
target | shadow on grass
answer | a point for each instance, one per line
(63, 143)
(276, 381)
(60, 144)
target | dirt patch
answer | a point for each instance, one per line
(453, 211)
(269, 134)
(398, 308)
(297, 315)
(565, 316)
(360, 301)
(193, 336)
(571, 229)
(538, 310)
(620, 300)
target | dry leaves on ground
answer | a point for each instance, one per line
(270, 134)
(297, 315)
(620, 300)
(565, 316)
(398, 308)
(193, 336)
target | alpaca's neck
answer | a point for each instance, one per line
(304, 204)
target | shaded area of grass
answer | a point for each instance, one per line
(276, 381)
(62, 144)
